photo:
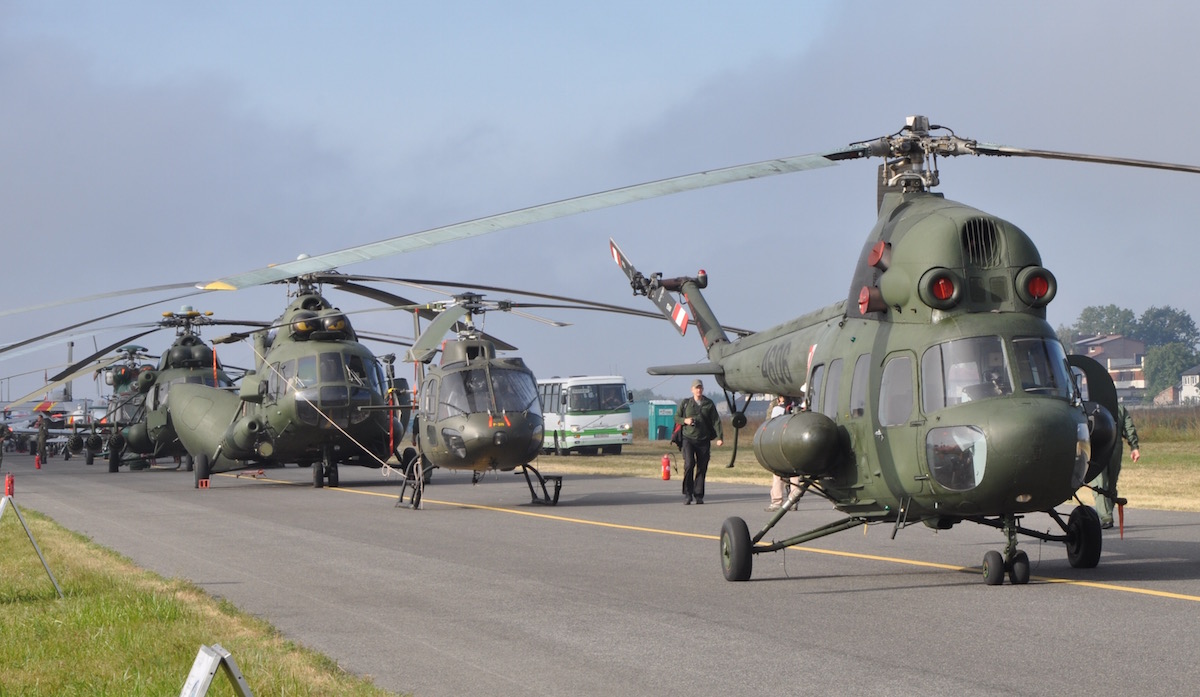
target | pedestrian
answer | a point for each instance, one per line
(43, 433)
(701, 427)
(5, 432)
(1107, 480)
(782, 406)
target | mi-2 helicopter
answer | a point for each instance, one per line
(317, 397)
(938, 393)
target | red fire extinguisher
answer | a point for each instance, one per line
(666, 463)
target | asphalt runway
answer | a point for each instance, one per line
(618, 589)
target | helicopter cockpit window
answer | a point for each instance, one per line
(963, 370)
(306, 373)
(464, 392)
(896, 392)
(515, 391)
(332, 369)
(1042, 366)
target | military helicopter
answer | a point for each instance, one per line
(476, 411)
(317, 397)
(938, 393)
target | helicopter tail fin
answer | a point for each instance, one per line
(659, 289)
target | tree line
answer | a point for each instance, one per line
(1170, 336)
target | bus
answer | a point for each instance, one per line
(587, 414)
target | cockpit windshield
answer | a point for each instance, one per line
(1042, 366)
(963, 370)
(466, 392)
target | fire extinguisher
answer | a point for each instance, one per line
(666, 464)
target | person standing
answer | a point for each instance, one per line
(782, 406)
(1107, 481)
(701, 426)
(5, 432)
(43, 433)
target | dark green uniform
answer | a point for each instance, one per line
(697, 447)
(1108, 476)
(42, 434)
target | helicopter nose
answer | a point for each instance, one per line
(1024, 455)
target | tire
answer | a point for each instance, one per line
(201, 468)
(1018, 573)
(1084, 538)
(993, 568)
(318, 475)
(114, 459)
(736, 557)
(332, 475)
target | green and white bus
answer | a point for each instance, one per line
(586, 414)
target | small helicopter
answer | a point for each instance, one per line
(938, 393)
(476, 411)
(317, 397)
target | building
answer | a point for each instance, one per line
(1123, 357)
(1189, 391)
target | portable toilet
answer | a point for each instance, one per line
(662, 419)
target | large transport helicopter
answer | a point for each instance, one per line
(317, 397)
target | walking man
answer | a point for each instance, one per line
(701, 427)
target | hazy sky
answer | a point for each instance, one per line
(145, 143)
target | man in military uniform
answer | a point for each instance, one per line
(1107, 481)
(701, 425)
(43, 433)
(5, 432)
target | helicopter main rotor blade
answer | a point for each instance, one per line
(424, 348)
(101, 296)
(1007, 151)
(535, 214)
(50, 386)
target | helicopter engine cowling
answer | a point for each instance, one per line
(804, 443)
(247, 433)
(146, 380)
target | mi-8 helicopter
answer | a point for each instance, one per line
(317, 397)
(937, 391)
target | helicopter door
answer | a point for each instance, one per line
(900, 427)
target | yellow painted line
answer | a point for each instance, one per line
(698, 536)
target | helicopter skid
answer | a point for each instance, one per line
(546, 498)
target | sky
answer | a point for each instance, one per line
(146, 143)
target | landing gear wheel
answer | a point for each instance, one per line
(318, 475)
(993, 568)
(189, 463)
(1084, 538)
(331, 475)
(1018, 571)
(201, 469)
(736, 561)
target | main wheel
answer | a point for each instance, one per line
(332, 474)
(736, 561)
(201, 468)
(318, 475)
(1084, 538)
(993, 568)
(1018, 573)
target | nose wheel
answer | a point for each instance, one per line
(1014, 563)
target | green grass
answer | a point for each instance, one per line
(120, 630)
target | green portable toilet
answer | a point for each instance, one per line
(662, 419)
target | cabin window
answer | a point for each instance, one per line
(1042, 366)
(963, 370)
(813, 393)
(858, 386)
(833, 385)
(896, 391)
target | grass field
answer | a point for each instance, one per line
(123, 631)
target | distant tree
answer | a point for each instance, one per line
(1160, 326)
(1067, 336)
(644, 395)
(1108, 319)
(1165, 364)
